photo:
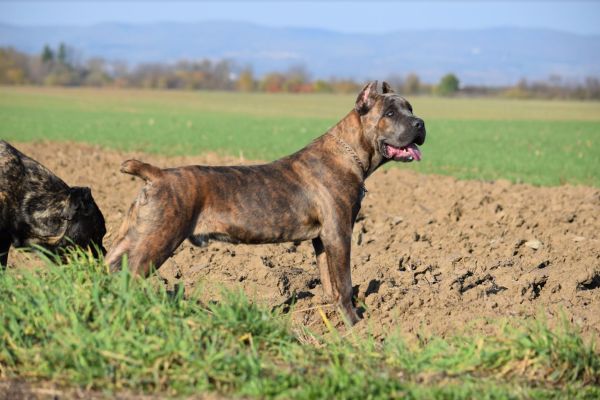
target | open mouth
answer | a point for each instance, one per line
(406, 153)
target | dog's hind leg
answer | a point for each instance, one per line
(151, 231)
(323, 268)
(144, 253)
(147, 244)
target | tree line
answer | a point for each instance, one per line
(61, 66)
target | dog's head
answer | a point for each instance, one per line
(389, 124)
(85, 224)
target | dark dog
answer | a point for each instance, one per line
(314, 194)
(38, 208)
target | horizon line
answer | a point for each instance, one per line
(317, 29)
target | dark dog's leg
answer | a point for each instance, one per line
(337, 250)
(4, 247)
(323, 269)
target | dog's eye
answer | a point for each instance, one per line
(390, 113)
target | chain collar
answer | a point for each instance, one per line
(351, 151)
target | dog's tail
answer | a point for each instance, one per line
(147, 172)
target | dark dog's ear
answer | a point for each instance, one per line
(387, 88)
(366, 98)
(80, 200)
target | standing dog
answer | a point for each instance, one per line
(314, 194)
(38, 208)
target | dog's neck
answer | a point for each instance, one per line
(351, 138)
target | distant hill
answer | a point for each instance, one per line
(488, 56)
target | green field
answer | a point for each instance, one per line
(539, 142)
(80, 326)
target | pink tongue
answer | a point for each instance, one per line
(404, 152)
(414, 151)
(395, 151)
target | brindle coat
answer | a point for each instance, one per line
(313, 194)
(38, 208)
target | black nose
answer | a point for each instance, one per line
(418, 124)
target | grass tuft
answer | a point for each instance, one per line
(76, 325)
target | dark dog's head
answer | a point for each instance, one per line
(389, 124)
(85, 225)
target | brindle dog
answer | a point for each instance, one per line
(38, 208)
(313, 194)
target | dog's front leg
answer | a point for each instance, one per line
(4, 247)
(336, 277)
(323, 268)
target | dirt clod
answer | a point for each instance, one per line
(533, 244)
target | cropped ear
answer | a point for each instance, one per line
(80, 200)
(366, 98)
(387, 88)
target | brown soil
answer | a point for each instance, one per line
(22, 389)
(431, 254)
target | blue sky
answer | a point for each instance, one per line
(372, 17)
